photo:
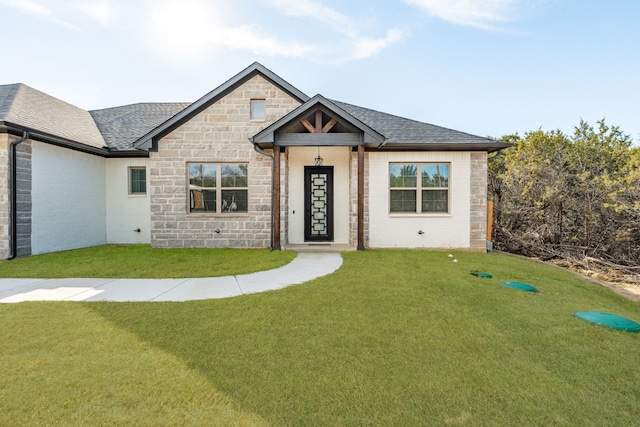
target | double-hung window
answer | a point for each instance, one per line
(419, 187)
(218, 187)
(137, 180)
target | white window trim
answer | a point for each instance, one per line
(264, 103)
(418, 189)
(130, 182)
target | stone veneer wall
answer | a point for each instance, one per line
(478, 238)
(218, 135)
(353, 206)
(23, 196)
(4, 196)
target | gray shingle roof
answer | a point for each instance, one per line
(406, 132)
(121, 126)
(118, 128)
(26, 107)
(7, 93)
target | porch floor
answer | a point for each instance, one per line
(320, 247)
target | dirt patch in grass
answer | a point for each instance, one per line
(623, 284)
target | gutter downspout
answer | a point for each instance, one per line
(264, 153)
(14, 195)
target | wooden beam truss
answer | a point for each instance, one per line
(319, 127)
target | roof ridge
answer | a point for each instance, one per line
(140, 103)
(15, 86)
(7, 101)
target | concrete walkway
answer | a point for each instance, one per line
(304, 267)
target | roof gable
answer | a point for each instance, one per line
(147, 141)
(296, 121)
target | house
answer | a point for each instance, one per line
(253, 163)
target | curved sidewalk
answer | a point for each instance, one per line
(304, 267)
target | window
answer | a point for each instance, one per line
(137, 180)
(257, 109)
(419, 187)
(218, 187)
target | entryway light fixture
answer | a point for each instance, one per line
(319, 159)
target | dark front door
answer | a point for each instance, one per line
(318, 203)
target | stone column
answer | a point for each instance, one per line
(478, 202)
(360, 245)
(275, 199)
(5, 232)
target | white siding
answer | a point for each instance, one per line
(126, 212)
(338, 157)
(68, 199)
(450, 230)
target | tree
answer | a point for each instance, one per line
(576, 195)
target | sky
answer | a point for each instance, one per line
(486, 67)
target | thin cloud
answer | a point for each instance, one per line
(192, 27)
(484, 14)
(360, 47)
(100, 11)
(366, 47)
(248, 39)
(198, 30)
(317, 12)
(36, 9)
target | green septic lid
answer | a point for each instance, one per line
(481, 274)
(518, 285)
(609, 320)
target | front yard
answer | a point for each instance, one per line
(394, 337)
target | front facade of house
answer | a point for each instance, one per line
(254, 163)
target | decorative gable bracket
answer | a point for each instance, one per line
(318, 122)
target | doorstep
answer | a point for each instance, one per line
(320, 247)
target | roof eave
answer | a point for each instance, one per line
(36, 135)
(127, 153)
(488, 147)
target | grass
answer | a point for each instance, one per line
(141, 261)
(392, 338)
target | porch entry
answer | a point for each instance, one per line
(318, 203)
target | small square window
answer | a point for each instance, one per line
(257, 109)
(137, 181)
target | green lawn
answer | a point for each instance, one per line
(141, 261)
(394, 337)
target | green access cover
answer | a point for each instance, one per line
(481, 274)
(518, 285)
(609, 320)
